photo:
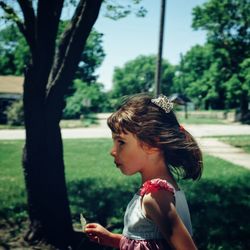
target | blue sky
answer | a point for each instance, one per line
(129, 37)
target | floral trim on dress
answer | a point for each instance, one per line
(154, 185)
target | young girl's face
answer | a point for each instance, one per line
(128, 152)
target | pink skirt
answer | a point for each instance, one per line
(130, 244)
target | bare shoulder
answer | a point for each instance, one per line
(158, 204)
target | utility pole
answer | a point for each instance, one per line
(158, 72)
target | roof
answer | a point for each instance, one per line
(11, 84)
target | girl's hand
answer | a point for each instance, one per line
(101, 235)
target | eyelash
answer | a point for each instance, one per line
(121, 142)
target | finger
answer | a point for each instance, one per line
(97, 239)
(91, 230)
(91, 236)
(94, 239)
(91, 225)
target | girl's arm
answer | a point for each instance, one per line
(102, 236)
(159, 208)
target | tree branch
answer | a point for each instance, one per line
(48, 17)
(72, 45)
(29, 23)
(11, 15)
(65, 39)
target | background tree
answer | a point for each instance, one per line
(15, 54)
(195, 77)
(14, 51)
(227, 24)
(86, 99)
(50, 70)
(245, 74)
(138, 76)
(91, 58)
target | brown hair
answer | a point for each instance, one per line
(153, 126)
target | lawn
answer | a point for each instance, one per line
(200, 120)
(219, 202)
(239, 141)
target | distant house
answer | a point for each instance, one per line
(11, 90)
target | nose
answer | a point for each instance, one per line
(113, 151)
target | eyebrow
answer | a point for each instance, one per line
(117, 136)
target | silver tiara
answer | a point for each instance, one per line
(163, 102)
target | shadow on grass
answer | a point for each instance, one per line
(101, 201)
(220, 213)
(219, 209)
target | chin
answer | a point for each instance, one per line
(127, 173)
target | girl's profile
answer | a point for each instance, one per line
(148, 139)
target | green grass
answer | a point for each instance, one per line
(200, 120)
(239, 141)
(219, 202)
(86, 121)
(7, 126)
(12, 198)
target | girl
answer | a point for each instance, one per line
(148, 139)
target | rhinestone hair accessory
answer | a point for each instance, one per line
(163, 102)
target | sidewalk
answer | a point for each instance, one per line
(210, 146)
(214, 147)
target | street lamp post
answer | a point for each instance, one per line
(158, 72)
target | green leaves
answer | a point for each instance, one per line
(245, 74)
(14, 51)
(138, 76)
(118, 9)
(86, 98)
(218, 72)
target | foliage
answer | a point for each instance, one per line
(91, 58)
(14, 52)
(117, 9)
(15, 114)
(86, 98)
(220, 200)
(245, 75)
(227, 24)
(138, 76)
(192, 76)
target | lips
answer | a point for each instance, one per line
(117, 163)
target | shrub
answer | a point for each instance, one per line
(15, 115)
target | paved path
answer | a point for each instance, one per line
(211, 146)
(102, 131)
(214, 147)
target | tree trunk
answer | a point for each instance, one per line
(44, 172)
(43, 165)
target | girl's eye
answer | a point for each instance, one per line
(121, 142)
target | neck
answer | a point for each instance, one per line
(156, 169)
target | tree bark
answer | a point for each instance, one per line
(43, 164)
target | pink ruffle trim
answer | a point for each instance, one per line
(154, 185)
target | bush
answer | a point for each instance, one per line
(15, 115)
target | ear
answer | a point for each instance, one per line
(150, 149)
